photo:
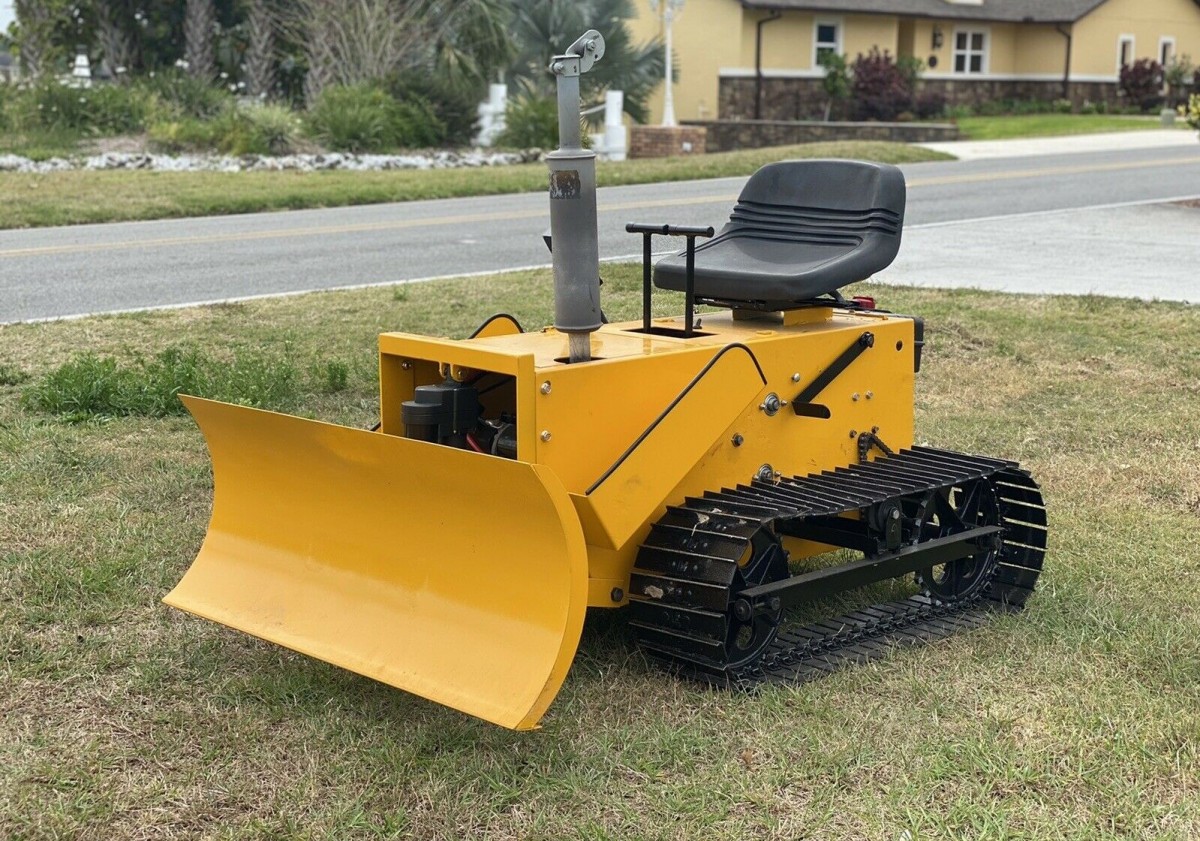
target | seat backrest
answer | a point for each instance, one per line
(799, 230)
(821, 201)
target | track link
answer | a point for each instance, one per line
(688, 571)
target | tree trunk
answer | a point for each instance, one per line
(260, 50)
(199, 24)
(116, 42)
(36, 53)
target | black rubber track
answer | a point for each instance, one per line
(681, 587)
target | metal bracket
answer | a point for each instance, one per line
(691, 232)
(580, 56)
(806, 395)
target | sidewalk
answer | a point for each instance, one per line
(973, 150)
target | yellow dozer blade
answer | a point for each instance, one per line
(456, 576)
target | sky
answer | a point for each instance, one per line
(7, 15)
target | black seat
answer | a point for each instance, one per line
(799, 230)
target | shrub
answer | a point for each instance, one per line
(1191, 111)
(835, 84)
(930, 105)
(455, 105)
(103, 109)
(415, 124)
(1142, 82)
(9, 102)
(1180, 75)
(364, 118)
(879, 87)
(182, 95)
(530, 122)
(183, 135)
(241, 130)
(353, 119)
(257, 129)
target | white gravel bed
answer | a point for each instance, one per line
(269, 163)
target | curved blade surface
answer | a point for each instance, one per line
(453, 575)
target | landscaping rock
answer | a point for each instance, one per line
(328, 161)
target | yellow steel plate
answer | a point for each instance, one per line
(456, 576)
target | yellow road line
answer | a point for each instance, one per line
(470, 218)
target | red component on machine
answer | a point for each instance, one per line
(865, 301)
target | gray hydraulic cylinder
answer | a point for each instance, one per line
(573, 227)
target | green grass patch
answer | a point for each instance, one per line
(1078, 719)
(88, 385)
(1050, 125)
(66, 198)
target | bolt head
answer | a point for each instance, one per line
(854, 397)
(545, 434)
(737, 440)
(617, 594)
(796, 377)
(853, 434)
(546, 387)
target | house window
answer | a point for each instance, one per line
(1124, 51)
(1166, 50)
(970, 51)
(827, 40)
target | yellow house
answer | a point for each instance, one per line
(747, 59)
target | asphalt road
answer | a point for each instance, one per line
(59, 272)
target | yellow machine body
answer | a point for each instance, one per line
(462, 576)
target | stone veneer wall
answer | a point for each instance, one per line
(802, 98)
(665, 142)
(727, 135)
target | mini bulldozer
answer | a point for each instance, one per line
(706, 474)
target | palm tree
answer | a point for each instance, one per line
(542, 28)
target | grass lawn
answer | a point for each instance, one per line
(1079, 719)
(1049, 125)
(66, 198)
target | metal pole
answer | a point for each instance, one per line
(669, 98)
(573, 229)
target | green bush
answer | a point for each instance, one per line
(352, 119)
(416, 125)
(257, 129)
(1191, 111)
(530, 122)
(100, 110)
(182, 95)
(364, 118)
(455, 105)
(90, 386)
(9, 100)
(254, 129)
(182, 135)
